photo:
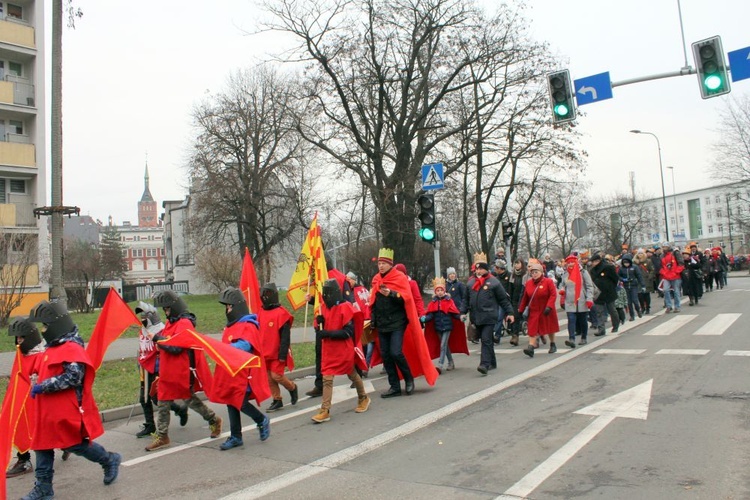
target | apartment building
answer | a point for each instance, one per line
(23, 156)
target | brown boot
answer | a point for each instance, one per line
(215, 427)
(514, 340)
(158, 442)
(362, 405)
(322, 416)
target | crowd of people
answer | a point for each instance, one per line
(356, 329)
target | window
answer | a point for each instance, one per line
(2, 190)
(671, 221)
(124, 252)
(671, 207)
(15, 69)
(138, 252)
(16, 127)
(137, 237)
(708, 215)
(679, 205)
(700, 232)
(718, 213)
(682, 219)
(710, 229)
(18, 186)
(718, 199)
(708, 200)
(720, 228)
(151, 252)
(15, 11)
(698, 217)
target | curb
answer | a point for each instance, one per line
(126, 412)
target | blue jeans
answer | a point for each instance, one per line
(578, 323)
(391, 344)
(499, 325)
(634, 304)
(369, 348)
(444, 349)
(45, 459)
(672, 285)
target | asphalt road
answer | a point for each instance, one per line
(659, 411)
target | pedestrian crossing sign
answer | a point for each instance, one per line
(432, 176)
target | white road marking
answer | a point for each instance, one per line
(718, 324)
(737, 353)
(620, 351)
(340, 393)
(672, 325)
(347, 454)
(688, 352)
(632, 403)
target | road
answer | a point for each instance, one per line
(658, 411)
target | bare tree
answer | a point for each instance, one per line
(381, 76)
(733, 148)
(618, 220)
(18, 269)
(248, 167)
(218, 266)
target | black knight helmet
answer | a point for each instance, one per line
(55, 317)
(22, 327)
(269, 295)
(233, 297)
(332, 293)
(168, 298)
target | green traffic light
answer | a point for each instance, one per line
(427, 234)
(712, 82)
(561, 110)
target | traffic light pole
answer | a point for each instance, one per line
(436, 252)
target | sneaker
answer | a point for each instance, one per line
(294, 393)
(112, 469)
(676, 310)
(482, 369)
(322, 416)
(41, 491)
(215, 427)
(315, 392)
(571, 343)
(640, 313)
(264, 428)
(451, 366)
(582, 342)
(158, 442)
(496, 339)
(601, 332)
(146, 430)
(183, 414)
(439, 370)
(363, 404)
(19, 468)
(529, 351)
(615, 329)
(669, 310)
(231, 442)
(276, 405)
(65, 455)
(552, 348)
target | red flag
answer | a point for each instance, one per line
(115, 318)
(12, 411)
(249, 283)
(231, 359)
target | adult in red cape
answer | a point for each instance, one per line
(442, 316)
(275, 331)
(181, 372)
(403, 349)
(340, 329)
(415, 291)
(236, 390)
(540, 294)
(66, 414)
(18, 407)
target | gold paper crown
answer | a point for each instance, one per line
(438, 283)
(480, 257)
(386, 254)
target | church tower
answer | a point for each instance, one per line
(147, 216)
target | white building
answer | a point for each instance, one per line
(23, 137)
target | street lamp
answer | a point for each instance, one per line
(674, 196)
(661, 171)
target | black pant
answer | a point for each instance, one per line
(487, 359)
(318, 359)
(235, 425)
(613, 315)
(391, 344)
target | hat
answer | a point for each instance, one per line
(386, 255)
(351, 275)
(500, 263)
(534, 264)
(400, 267)
(596, 256)
(438, 283)
(450, 270)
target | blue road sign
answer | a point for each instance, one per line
(593, 88)
(739, 64)
(432, 176)
(655, 237)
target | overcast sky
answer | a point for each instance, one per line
(134, 69)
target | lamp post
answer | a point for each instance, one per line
(661, 171)
(674, 197)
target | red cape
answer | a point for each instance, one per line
(414, 347)
(174, 369)
(339, 355)
(270, 322)
(457, 340)
(60, 422)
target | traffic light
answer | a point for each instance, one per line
(507, 231)
(426, 203)
(562, 98)
(713, 79)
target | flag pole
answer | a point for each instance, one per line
(307, 305)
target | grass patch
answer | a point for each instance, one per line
(117, 382)
(209, 312)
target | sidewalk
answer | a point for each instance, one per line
(128, 348)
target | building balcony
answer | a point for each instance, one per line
(17, 215)
(17, 33)
(14, 152)
(15, 90)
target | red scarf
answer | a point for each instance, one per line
(574, 275)
(479, 282)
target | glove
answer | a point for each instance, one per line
(643, 289)
(36, 389)
(423, 319)
(589, 304)
(547, 310)
(320, 320)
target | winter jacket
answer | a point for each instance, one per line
(457, 290)
(484, 303)
(605, 279)
(443, 321)
(568, 289)
(647, 270)
(630, 275)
